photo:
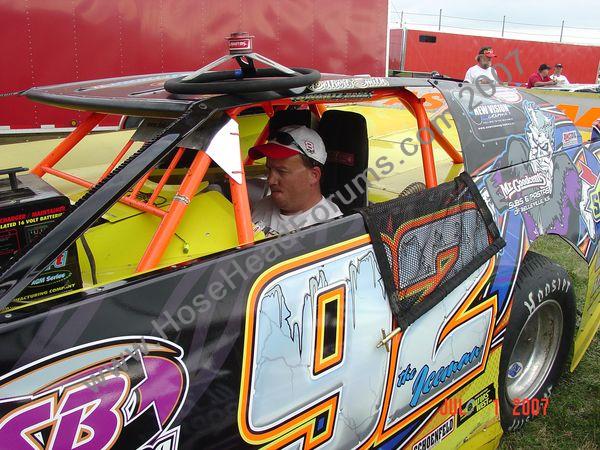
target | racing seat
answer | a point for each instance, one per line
(347, 143)
(293, 117)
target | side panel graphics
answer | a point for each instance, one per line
(312, 328)
(81, 399)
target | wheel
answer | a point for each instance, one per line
(537, 341)
(232, 82)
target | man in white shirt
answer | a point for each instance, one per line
(295, 159)
(557, 76)
(483, 72)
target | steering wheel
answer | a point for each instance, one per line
(241, 81)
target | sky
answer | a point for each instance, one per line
(582, 25)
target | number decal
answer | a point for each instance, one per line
(310, 346)
(310, 349)
(330, 327)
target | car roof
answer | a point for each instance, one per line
(143, 95)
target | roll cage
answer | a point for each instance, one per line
(211, 120)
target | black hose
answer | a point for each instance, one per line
(232, 82)
(90, 257)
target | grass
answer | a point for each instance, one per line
(573, 420)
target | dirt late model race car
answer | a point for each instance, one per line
(142, 310)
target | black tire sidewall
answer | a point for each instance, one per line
(539, 281)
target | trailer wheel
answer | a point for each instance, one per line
(537, 341)
(232, 82)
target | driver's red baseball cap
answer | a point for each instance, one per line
(289, 141)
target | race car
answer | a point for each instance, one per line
(142, 309)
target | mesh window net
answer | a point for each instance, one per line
(429, 242)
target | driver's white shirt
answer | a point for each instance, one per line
(268, 218)
(476, 71)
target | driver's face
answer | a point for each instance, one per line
(292, 183)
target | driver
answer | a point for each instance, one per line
(295, 159)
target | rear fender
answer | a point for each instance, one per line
(527, 203)
(537, 177)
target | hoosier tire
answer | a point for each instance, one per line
(537, 341)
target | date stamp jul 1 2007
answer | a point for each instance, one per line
(521, 407)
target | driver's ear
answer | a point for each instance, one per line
(316, 173)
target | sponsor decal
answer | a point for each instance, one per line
(475, 404)
(570, 138)
(535, 298)
(507, 95)
(514, 370)
(436, 436)
(310, 147)
(427, 380)
(497, 109)
(333, 96)
(240, 44)
(510, 188)
(588, 168)
(123, 392)
(348, 83)
(60, 261)
(52, 277)
(491, 115)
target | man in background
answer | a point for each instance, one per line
(540, 78)
(558, 76)
(483, 72)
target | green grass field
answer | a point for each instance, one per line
(573, 420)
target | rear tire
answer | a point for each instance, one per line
(537, 341)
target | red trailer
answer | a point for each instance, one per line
(93, 39)
(452, 54)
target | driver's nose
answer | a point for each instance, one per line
(271, 178)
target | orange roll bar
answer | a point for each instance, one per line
(270, 111)
(67, 144)
(457, 158)
(139, 185)
(86, 184)
(171, 220)
(261, 139)
(318, 109)
(67, 176)
(166, 175)
(416, 105)
(113, 164)
(241, 208)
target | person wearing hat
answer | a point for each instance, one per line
(558, 76)
(483, 72)
(540, 78)
(295, 159)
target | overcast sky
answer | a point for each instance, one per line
(550, 13)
